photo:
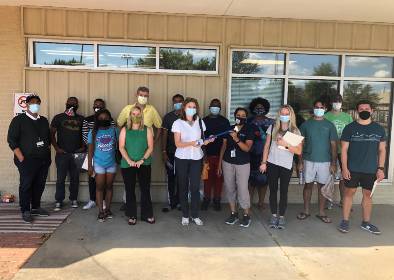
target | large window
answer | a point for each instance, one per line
(124, 57)
(298, 79)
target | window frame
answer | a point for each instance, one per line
(341, 78)
(96, 67)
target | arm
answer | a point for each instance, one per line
(381, 160)
(54, 142)
(244, 146)
(13, 139)
(180, 144)
(345, 170)
(149, 150)
(222, 150)
(90, 157)
(164, 139)
(263, 166)
(334, 155)
(122, 149)
(123, 116)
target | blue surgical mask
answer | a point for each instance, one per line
(214, 110)
(34, 108)
(284, 118)
(178, 106)
(318, 112)
(190, 112)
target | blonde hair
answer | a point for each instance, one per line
(292, 123)
(129, 124)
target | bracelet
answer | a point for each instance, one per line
(263, 162)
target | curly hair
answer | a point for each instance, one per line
(259, 100)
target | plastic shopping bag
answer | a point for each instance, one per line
(328, 189)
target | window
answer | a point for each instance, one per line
(124, 57)
(258, 63)
(65, 54)
(369, 66)
(313, 65)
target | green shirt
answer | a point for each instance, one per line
(136, 145)
(339, 121)
(318, 136)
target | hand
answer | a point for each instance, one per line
(60, 151)
(263, 167)
(281, 142)
(379, 175)
(333, 168)
(165, 157)
(21, 158)
(219, 172)
(209, 140)
(346, 174)
(131, 163)
(139, 163)
(90, 171)
(300, 166)
(234, 135)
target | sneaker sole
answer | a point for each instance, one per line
(231, 224)
(273, 226)
(39, 215)
(342, 230)
(57, 209)
(373, 232)
(280, 227)
(245, 226)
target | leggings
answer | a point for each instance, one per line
(276, 172)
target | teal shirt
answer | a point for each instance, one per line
(317, 143)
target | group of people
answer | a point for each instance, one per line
(249, 155)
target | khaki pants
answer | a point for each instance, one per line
(236, 178)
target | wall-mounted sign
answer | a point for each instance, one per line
(20, 103)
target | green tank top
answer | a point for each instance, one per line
(136, 145)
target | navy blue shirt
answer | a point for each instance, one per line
(215, 125)
(240, 157)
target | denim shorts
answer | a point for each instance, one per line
(102, 170)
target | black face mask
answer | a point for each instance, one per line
(259, 111)
(364, 115)
(240, 121)
(104, 123)
(75, 107)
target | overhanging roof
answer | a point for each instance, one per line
(348, 10)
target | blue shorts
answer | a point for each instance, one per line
(102, 170)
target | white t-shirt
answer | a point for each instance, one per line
(188, 133)
(278, 156)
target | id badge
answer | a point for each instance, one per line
(40, 144)
(232, 153)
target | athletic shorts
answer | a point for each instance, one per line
(316, 172)
(363, 180)
(103, 170)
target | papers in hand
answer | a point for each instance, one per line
(292, 139)
(375, 184)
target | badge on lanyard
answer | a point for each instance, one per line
(232, 153)
(40, 144)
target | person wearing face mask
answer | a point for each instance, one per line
(215, 124)
(259, 107)
(363, 162)
(88, 125)
(189, 139)
(320, 158)
(29, 139)
(66, 137)
(136, 147)
(340, 120)
(234, 164)
(277, 161)
(102, 144)
(168, 150)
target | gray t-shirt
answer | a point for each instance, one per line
(280, 157)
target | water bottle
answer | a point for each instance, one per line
(301, 180)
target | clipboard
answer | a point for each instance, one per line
(375, 184)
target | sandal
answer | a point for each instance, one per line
(132, 221)
(324, 219)
(101, 217)
(150, 220)
(303, 216)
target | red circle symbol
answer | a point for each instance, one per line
(22, 102)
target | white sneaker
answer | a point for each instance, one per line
(74, 204)
(198, 221)
(89, 205)
(185, 221)
(104, 206)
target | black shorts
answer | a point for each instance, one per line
(363, 180)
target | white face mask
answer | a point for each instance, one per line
(337, 106)
(142, 100)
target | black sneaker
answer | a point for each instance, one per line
(232, 219)
(26, 216)
(343, 226)
(40, 212)
(58, 206)
(217, 206)
(245, 222)
(370, 227)
(101, 217)
(205, 204)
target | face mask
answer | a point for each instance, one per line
(34, 108)
(96, 109)
(259, 111)
(318, 112)
(142, 100)
(69, 106)
(337, 106)
(284, 118)
(104, 123)
(177, 106)
(136, 119)
(240, 121)
(214, 110)
(190, 112)
(364, 115)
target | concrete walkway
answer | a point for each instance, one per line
(82, 248)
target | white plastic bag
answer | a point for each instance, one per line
(328, 190)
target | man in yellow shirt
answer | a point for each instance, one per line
(151, 116)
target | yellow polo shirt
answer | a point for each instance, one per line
(151, 116)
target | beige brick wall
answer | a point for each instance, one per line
(11, 77)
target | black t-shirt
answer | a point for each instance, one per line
(69, 131)
(363, 148)
(215, 125)
(168, 121)
(240, 157)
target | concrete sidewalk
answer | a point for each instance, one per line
(82, 248)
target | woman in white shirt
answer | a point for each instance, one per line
(188, 135)
(277, 161)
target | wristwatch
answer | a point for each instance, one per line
(381, 168)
